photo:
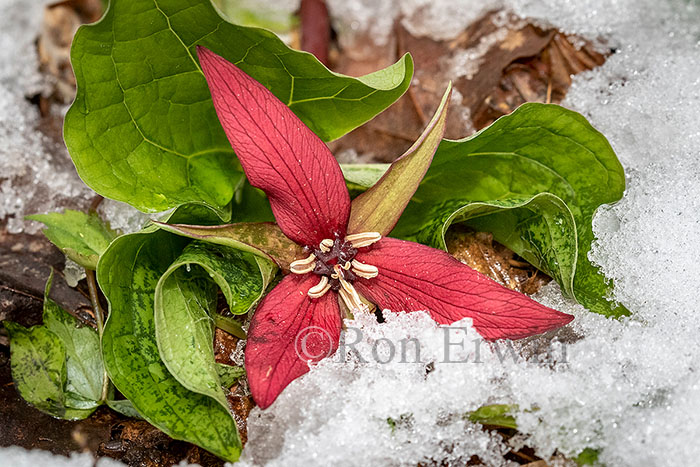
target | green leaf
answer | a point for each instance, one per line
(541, 229)
(247, 13)
(85, 372)
(128, 273)
(263, 239)
(240, 276)
(185, 331)
(185, 300)
(379, 208)
(143, 129)
(38, 365)
(82, 237)
(124, 407)
(538, 149)
(229, 374)
(498, 415)
(359, 177)
(57, 366)
(588, 456)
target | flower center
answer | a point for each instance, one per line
(334, 260)
(333, 253)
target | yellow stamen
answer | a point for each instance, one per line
(303, 266)
(320, 289)
(326, 245)
(363, 239)
(366, 271)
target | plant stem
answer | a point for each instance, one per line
(229, 325)
(99, 319)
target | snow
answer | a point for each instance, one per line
(19, 457)
(628, 388)
(36, 174)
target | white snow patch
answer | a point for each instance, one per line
(36, 175)
(19, 457)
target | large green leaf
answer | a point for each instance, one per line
(185, 301)
(143, 129)
(82, 237)
(538, 149)
(128, 273)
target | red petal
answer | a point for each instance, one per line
(415, 277)
(287, 330)
(279, 154)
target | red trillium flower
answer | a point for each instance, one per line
(312, 206)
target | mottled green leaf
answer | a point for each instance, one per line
(379, 208)
(538, 149)
(57, 366)
(143, 129)
(185, 301)
(82, 237)
(541, 229)
(128, 273)
(38, 365)
(241, 276)
(229, 374)
(124, 407)
(85, 372)
(185, 330)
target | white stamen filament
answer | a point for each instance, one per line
(351, 297)
(366, 271)
(320, 289)
(303, 266)
(326, 245)
(363, 239)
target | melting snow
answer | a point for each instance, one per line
(36, 174)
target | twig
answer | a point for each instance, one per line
(99, 319)
(315, 28)
(96, 203)
(411, 95)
